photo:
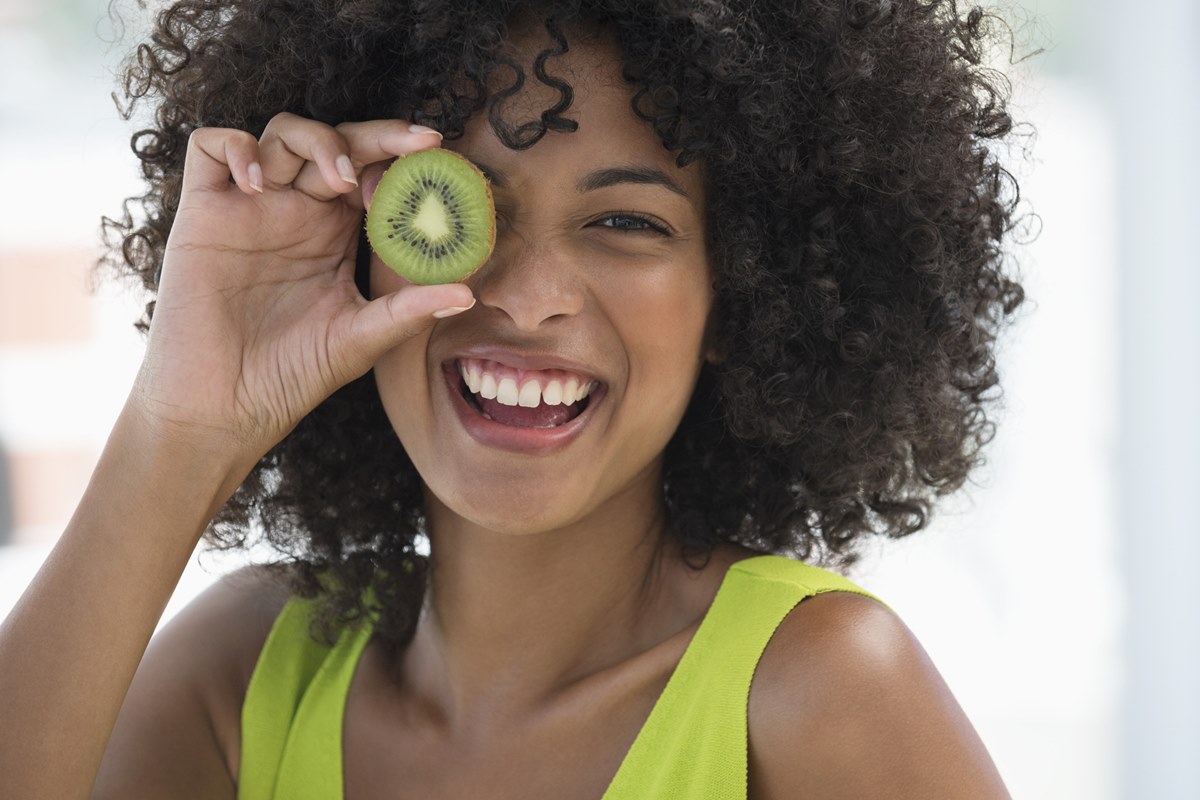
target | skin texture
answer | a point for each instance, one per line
(856, 227)
(258, 321)
(558, 601)
(629, 306)
(846, 704)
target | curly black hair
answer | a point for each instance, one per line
(856, 215)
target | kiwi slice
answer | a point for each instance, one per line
(432, 219)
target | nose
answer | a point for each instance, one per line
(531, 282)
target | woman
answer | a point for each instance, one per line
(767, 241)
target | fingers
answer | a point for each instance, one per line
(324, 162)
(215, 154)
(290, 142)
(387, 321)
(384, 139)
(303, 154)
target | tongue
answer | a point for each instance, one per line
(544, 416)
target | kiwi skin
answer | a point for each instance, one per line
(395, 186)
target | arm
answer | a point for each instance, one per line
(846, 704)
(257, 320)
(71, 645)
(184, 706)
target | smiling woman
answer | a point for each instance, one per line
(739, 314)
(580, 286)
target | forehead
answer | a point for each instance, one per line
(608, 132)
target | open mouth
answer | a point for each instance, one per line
(523, 398)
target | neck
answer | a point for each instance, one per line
(510, 619)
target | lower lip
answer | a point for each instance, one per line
(530, 441)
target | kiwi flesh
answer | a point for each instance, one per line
(432, 218)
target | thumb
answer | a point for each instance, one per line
(385, 322)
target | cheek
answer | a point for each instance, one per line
(666, 322)
(672, 310)
(408, 359)
(401, 373)
(399, 379)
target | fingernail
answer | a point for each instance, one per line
(256, 178)
(423, 129)
(345, 169)
(442, 313)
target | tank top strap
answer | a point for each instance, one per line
(694, 744)
(292, 716)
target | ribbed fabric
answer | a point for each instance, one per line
(693, 746)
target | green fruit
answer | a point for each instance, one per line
(432, 218)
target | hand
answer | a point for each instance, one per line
(258, 318)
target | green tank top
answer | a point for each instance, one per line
(692, 746)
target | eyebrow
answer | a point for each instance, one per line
(612, 176)
(602, 178)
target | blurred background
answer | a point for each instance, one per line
(1052, 592)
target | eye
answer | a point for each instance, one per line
(633, 223)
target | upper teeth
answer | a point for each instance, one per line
(527, 388)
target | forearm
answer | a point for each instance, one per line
(256, 320)
(70, 647)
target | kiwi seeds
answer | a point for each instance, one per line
(432, 218)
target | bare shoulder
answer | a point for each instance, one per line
(845, 703)
(178, 733)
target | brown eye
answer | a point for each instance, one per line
(632, 223)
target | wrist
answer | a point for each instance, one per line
(181, 462)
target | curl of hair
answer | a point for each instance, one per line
(856, 212)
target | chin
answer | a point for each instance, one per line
(510, 507)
